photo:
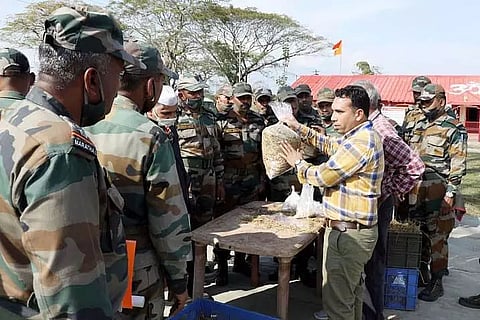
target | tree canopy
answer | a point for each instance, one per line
(365, 68)
(208, 37)
(25, 29)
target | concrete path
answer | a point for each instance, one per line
(464, 280)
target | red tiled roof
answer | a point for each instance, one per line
(461, 90)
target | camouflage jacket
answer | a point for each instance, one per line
(141, 163)
(413, 115)
(212, 109)
(198, 139)
(311, 153)
(7, 98)
(241, 141)
(54, 204)
(442, 146)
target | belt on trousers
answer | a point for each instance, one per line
(343, 226)
(198, 163)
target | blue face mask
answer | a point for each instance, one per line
(92, 113)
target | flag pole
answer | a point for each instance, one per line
(337, 51)
(340, 68)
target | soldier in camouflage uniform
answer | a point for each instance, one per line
(200, 151)
(441, 142)
(15, 77)
(261, 105)
(309, 117)
(63, 245)
(414, 114)
(223, 102)
(325, 97)
(244, 178)
(164, 114)
(141, 162)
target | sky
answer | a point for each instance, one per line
(409, 37)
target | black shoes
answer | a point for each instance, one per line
(470, 302)
(433, 291)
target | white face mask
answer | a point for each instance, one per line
(167, 122)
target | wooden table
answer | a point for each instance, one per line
(259, 228)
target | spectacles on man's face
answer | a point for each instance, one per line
(426, 103)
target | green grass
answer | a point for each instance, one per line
(470, 186)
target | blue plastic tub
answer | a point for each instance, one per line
(202, 309)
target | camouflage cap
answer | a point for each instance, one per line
(241, 89)
(225, 90)
(263, 92)
(430, 91)
(191, 83)
(150, 57)
(325, 95)
(285, 92)
(302, 88)
(419, 82)
(87, 29)
(13, 62)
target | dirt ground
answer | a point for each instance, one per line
(464, 280)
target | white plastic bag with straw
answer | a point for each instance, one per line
(281, 109)
(273, 136)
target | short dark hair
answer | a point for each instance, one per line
(131, 82)
(358, 95)
(64, 65)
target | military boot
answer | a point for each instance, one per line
(434, 289)
(424, 278)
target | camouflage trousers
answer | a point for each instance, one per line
(147, 282)
(201, 193)
(279, 188)
(241, 186)
(436, 226)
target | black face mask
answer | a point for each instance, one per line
(92, 113)
(326, 118)
(431, 114)
(194, 104)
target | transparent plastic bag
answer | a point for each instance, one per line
(281, 109)
(307, 207)
(290, 204)
(272, 137)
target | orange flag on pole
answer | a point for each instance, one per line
(337, 48)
